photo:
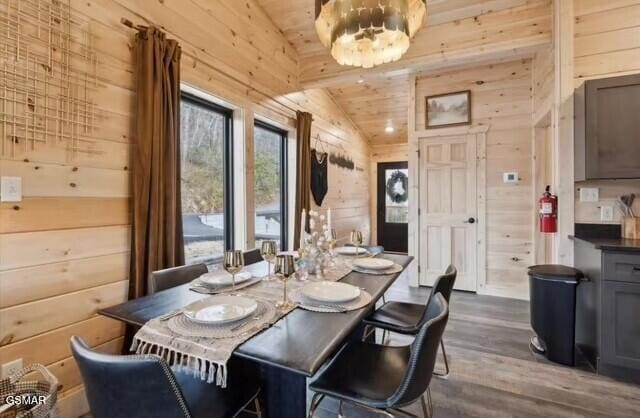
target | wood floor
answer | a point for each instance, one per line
(494, 374)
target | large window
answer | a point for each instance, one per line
(207, 180)
(270, 145)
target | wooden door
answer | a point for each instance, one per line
(448, 209)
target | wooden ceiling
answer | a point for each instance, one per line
(458, 33)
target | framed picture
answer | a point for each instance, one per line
(449, 109)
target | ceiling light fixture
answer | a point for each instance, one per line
(365, 33)
(389, 129)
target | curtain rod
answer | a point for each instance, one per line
(126, 22)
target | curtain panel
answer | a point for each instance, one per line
(303, 172)
(156, 238)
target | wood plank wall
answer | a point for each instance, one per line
(64, 250)
(501, 97)
(606, 44)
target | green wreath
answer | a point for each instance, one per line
(398, 177)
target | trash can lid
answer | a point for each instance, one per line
(555, 271)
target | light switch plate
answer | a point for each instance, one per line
(606, 213)
(10, 189)
(510, 178)
(589, 194)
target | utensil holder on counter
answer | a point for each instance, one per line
(631, 227)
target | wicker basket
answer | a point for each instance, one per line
(44, 393)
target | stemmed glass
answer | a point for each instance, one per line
(268, 250)
(233, 264)
(285, 267)
(356, 239)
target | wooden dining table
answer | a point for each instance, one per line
(285, 355)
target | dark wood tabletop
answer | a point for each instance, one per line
(300, 342)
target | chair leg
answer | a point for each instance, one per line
(341, 409)
(444, 375)
(256, 404)
(315, 403)
(368, 330)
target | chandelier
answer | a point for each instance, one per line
(365, 33)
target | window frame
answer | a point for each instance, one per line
(228, 187)
(284, 176)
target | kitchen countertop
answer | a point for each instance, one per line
(612, 244)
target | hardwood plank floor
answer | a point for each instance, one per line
(494, 373)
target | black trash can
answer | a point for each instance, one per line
(552, 292)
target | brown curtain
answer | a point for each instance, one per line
(303, 172)
(156, 238)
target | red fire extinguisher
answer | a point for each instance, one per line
(548, 209)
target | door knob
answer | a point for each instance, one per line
(470, 221)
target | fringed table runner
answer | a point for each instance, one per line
(206, 356)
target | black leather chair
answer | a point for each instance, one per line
(175, 276)
(407, 318)
(143, 386)
(383, 378)
(252, 257)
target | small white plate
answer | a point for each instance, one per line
(351, 251)
(220, 309)
(331, 292)
(373, 263)
(222, 278)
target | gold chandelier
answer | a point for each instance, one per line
(365, 33)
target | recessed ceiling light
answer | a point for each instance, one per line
(361, 80)
(389, 129)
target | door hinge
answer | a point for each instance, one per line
(418, 268)
(419, 211)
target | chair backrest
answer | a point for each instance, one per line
(424, 351)
(252, 257)
(175, 276)
(444, 284)
(128, 386)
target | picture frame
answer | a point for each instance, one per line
(448, 109)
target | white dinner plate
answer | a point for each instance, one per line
(373, 263)
(222, 278)
(331, 292)
(351, 251)
(220, 309)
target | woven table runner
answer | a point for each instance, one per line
(206, 356)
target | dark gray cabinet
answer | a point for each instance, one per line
(608, 310)
(621, 324)
(607, 137)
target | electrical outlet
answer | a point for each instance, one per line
(589, 194)
(606, 213)
(12, 367)
(10, 189)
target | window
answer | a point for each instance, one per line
(206, 180)
(270, 156)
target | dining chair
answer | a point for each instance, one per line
(143, 386)
(381, 378)
(252, 257)
(407, 318)
(175, 276)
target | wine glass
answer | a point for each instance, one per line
(233, 263)
(356, 239)
(284, 268)
(268, 250)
